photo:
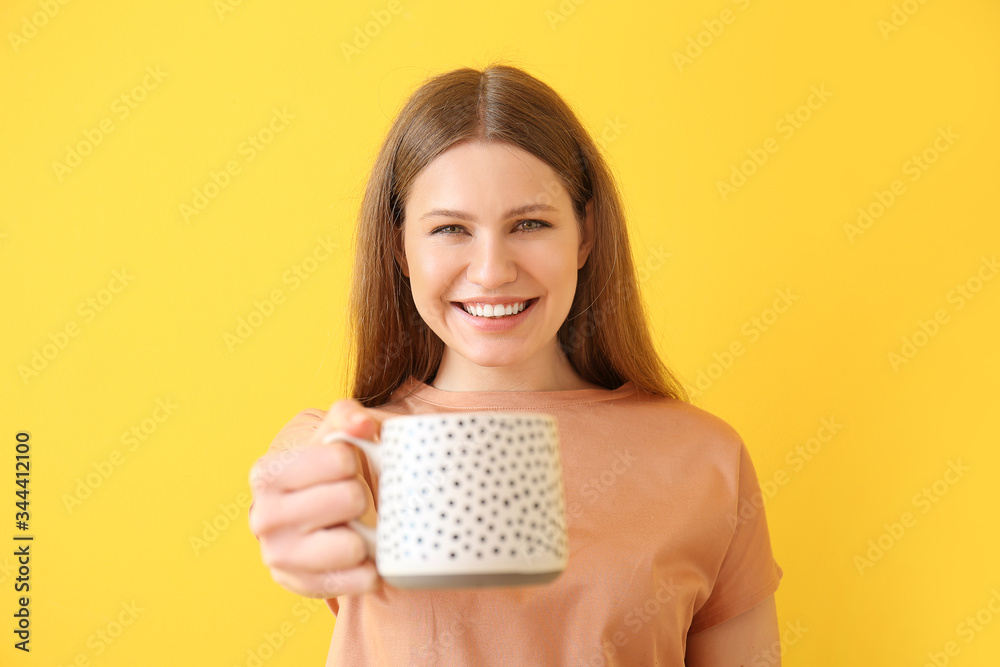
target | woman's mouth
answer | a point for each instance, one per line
(498, 310)
(497, 317)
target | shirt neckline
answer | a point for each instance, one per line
(415, 389)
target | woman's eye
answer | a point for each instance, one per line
(540, 224)
(446, 227)
(533, 225)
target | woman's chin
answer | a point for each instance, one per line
(498, 355)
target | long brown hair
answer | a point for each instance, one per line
(606, 334)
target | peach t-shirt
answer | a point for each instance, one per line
(667, 537)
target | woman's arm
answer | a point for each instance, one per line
(746, 640)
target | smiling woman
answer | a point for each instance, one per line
(461, 275)
(493, 167)
(494, 272)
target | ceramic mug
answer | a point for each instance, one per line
(466, 499)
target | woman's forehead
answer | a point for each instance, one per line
(494, 177)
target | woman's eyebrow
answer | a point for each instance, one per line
(468, 217)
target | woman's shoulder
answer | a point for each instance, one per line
(680, 418)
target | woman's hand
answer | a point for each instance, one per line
(304, 492)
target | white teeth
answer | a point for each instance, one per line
(499, 310)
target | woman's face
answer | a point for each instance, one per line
(489, 223)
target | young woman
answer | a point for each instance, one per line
(494, 272)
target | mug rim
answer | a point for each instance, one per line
(471, 413)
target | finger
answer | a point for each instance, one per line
(347, 415)
(318, 506)
(361, 579)
(302, 467)
(336, 548)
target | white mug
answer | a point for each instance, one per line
(466, 499)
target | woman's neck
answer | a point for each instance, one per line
(463, 375)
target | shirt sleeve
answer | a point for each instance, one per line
(749, 573)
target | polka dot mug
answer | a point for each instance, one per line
(466, 499)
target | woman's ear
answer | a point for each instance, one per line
(587, 234)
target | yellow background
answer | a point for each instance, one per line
(672, 130)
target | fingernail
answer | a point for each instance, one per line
(358, 419)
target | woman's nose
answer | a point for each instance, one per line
(491, 264)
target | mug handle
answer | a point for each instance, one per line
(371, 451)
